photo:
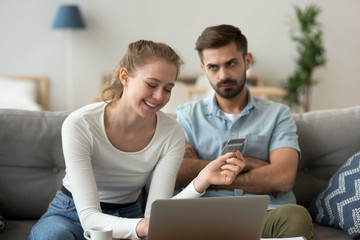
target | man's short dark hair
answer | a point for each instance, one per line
(219, 36)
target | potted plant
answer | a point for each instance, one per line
(311, 55)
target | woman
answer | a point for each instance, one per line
(114, 148)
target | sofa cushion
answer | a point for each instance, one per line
(3, 223)
(31, 161)
(18, 230)
(328, 233)
(327, 138)
(338, 205)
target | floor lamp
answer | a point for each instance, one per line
(69, 18)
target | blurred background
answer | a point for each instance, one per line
(29, 46)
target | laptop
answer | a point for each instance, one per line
(210, 218)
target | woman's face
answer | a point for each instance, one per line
(149, 88)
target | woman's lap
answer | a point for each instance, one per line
(61, 220)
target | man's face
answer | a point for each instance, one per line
(226, 68)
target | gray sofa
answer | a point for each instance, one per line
(32, 163)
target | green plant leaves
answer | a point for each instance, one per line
(311, 55)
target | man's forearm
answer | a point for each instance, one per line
(189, 169)
(258, 177)
(248, 183)
(279, 176)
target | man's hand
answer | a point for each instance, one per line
(190, 151)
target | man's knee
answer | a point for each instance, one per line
(294, 214)
(290, 220)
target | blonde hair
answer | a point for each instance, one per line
(137, 54)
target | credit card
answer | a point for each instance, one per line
(232, 145)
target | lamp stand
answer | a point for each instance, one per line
(69, 71)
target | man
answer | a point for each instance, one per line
(270, 153)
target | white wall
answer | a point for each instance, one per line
(28, 45)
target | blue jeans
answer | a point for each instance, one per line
(61, 221)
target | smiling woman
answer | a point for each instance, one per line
(113, 148)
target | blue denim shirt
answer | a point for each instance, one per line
(266, 125)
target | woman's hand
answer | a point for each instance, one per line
(142, 228)
(221, 171)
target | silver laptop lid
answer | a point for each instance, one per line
(220, 218)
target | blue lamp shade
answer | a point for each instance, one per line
(68, 16)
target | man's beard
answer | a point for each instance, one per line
(230, 92)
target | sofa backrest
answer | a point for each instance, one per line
(327, 139)
(31, 161)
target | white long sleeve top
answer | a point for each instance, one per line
(97, 171)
